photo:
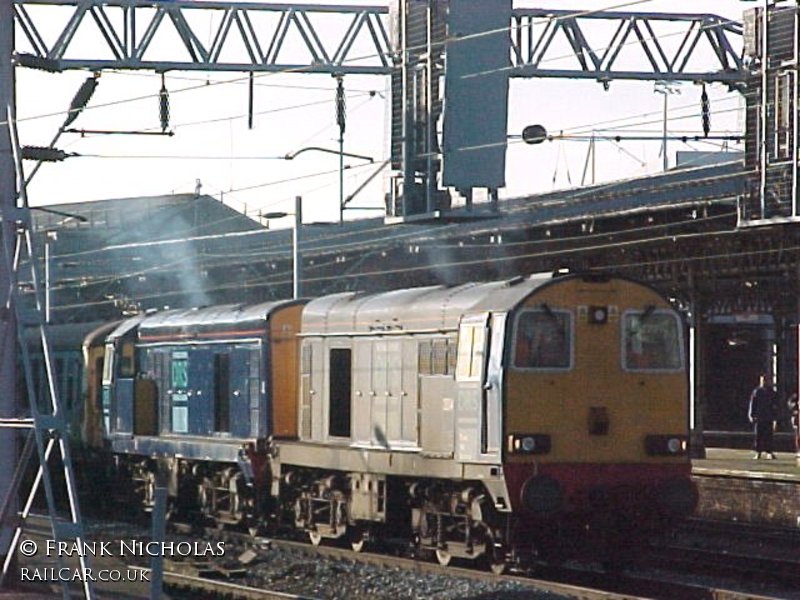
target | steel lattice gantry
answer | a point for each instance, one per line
(534, 31)
(259, 32)
(256, 32)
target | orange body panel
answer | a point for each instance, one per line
(93, 413)
(284, 325)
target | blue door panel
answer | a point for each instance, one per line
(156, 367)
(240, 400)
(123, 410)
(201, 391)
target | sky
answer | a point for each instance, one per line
(213, 148)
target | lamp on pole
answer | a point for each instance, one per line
(341, 154)
(298, 221)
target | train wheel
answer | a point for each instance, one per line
(444, 557)
(498, 567)
(315, 538)
(496, 554)
(357, 538)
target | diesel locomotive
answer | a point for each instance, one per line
(540, 416)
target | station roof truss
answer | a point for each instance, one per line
(677, 230)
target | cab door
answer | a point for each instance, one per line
(493, 392)
(473, 338)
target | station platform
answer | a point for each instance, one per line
(734, 486)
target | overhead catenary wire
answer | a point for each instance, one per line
(498, 30)
(304, 69)
(575, 196)
(479, 34)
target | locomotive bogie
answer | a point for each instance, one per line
(453, 520)
(225, 498)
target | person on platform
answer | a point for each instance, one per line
(763, 413)
(794, 412)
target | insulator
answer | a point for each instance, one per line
(705, 109)
(163, 101)
(341, 117)
(42, 153)
(81, 99)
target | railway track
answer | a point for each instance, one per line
(580, 581)
(627, 588)
(189, 586)
(756, 554)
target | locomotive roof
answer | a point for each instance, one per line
(178, 321)
(425, 308)
(212, 317)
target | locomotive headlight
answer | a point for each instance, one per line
(529, 443)
(666, 445)
(675, 445)
(598, 315)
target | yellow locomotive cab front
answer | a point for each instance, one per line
(596, 401)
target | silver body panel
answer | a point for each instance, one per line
(440, 420)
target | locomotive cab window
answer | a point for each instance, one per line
(126, 360)
(651, 341)
(543, 340)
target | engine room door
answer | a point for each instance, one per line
(362, 388)
(473, 337)
(241, 412)
(379, 394)
(200, 391)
